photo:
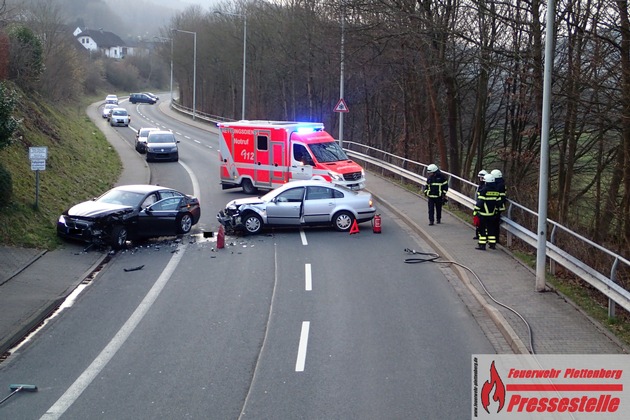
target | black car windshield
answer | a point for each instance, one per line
(328, 152)
(126, 198)
(119, 112)
(160, 138)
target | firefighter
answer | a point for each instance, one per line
(435, 190)
(480, 175)
(500, 186)
(484, 213)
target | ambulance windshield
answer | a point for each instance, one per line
(328, 152)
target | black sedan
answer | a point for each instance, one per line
(130, 212)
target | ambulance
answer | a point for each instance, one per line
(267, 154)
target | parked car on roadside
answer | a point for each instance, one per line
(141, 98)
(130, 212)
(299, 203)
(162, 145)
(119, 116)
(111, 99)
(107, 108)
(141, 138)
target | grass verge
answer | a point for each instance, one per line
(81, 164)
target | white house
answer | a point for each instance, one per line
(108, 43)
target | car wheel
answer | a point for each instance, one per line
(119, 237)
(252, 222)
(248, 187)
(184, 223)
(342, 221)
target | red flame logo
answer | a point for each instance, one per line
(495, 383)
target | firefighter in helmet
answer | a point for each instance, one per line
(500, 186)
(435, 191)
(482, 173)
(484, 214)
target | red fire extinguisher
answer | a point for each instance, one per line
(376, 223)
(221, 238)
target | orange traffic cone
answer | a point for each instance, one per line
(354, 228)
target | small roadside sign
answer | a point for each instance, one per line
(341, 106)
(38, 153)
(38, 164)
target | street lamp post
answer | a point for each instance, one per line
(244, 16)
(194, 104)
(171, 39)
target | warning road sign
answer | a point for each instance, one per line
(341, 106)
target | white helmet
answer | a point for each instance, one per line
(488, 177)
(432, 168)
(482, 173)
(496, 173)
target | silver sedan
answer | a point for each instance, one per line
(299, 203)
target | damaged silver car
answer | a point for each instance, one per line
(299, 203)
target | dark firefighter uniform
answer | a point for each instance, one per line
(486, 207)
(435, 190)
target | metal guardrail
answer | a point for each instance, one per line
(200, 115)
(462, 191)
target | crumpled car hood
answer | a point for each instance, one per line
(241, 201)
(96, 209)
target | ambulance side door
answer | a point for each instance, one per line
(262, 158)
(301, 163)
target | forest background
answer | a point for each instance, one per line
(453, 82)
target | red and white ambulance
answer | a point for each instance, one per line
(268, 154)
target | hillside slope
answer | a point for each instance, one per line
(81, 164)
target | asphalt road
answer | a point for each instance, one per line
(287, 324)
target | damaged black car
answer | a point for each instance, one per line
(130, 212)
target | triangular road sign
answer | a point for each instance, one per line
(341, 106)
(355, 227)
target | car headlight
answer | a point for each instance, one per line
(62, 220)
(335, 176)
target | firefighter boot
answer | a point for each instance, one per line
(481, 247)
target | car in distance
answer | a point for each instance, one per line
(119, 116)
(152, 95)
(141, 98)
(141, 138)
(299, 203)
(111, 99)
(130, 212)
(107, 108)
(162, 145)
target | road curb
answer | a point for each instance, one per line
(502, 324)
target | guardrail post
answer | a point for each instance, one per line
(509, 234)
(552, 262)
(612, 306)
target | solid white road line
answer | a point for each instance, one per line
(301, 356)
(308, 278)
(83, 381)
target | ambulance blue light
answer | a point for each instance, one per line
(305, 130)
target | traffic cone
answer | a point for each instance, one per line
(354, 228)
